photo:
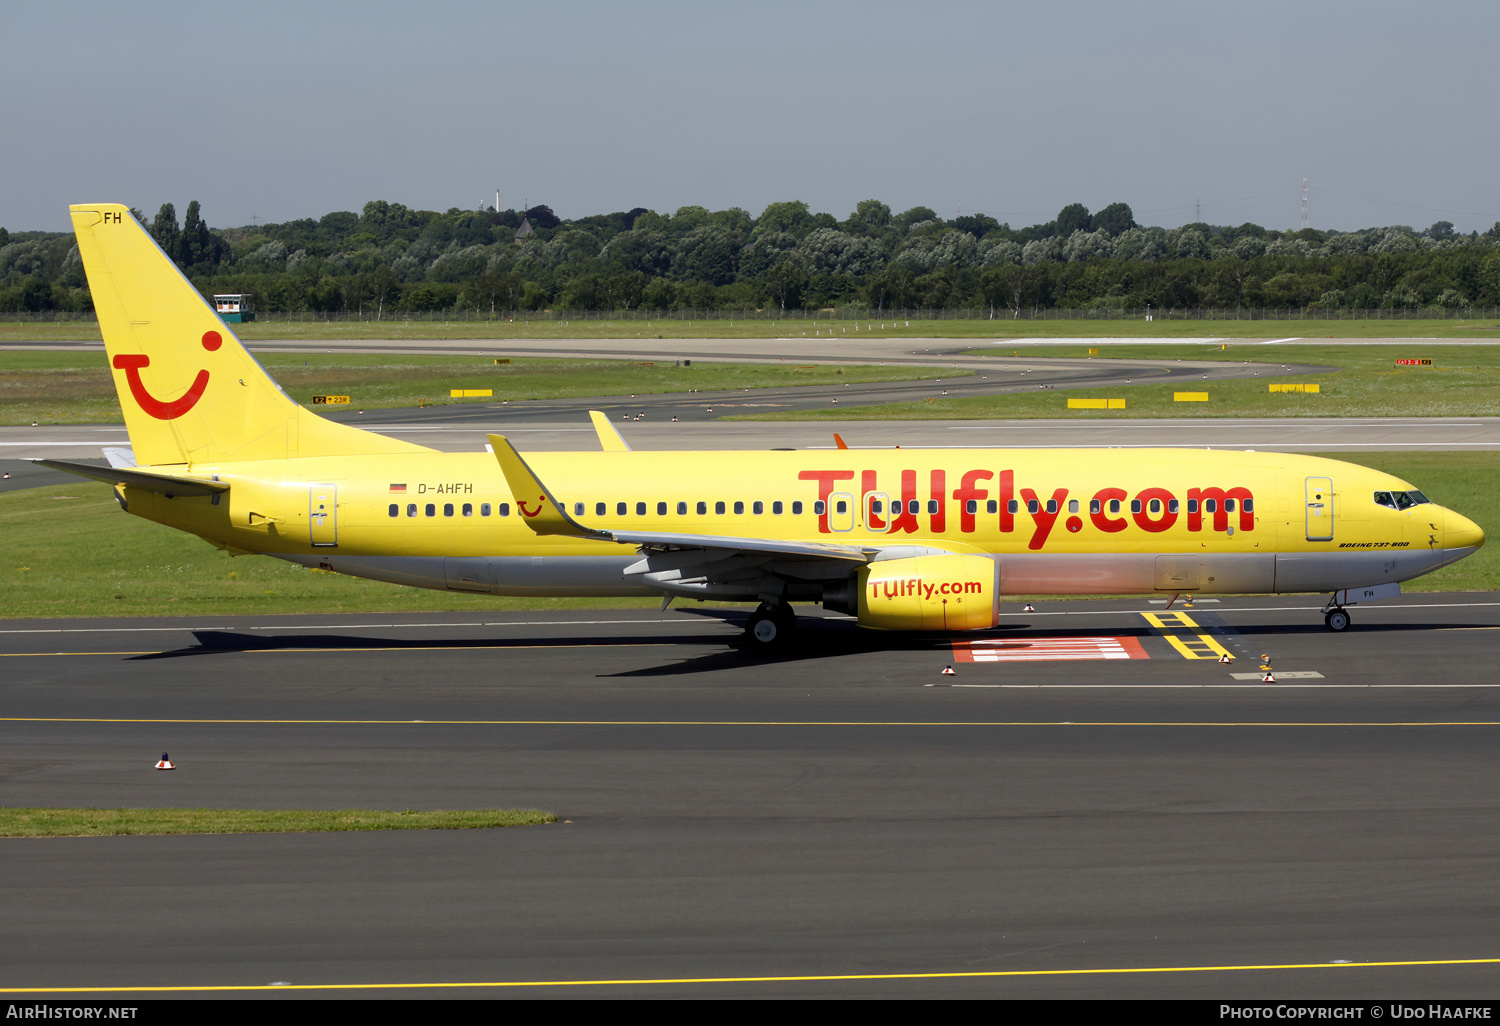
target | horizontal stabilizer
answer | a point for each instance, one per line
(162, 484)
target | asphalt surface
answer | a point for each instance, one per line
(837, 808)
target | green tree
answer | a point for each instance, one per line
(1115, 219)
(165, 231)
(1073, 218)
(791, 217)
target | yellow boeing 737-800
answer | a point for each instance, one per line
(905, 539)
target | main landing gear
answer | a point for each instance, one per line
(1336, 618)
(770, 625)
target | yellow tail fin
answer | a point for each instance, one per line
(190, 391)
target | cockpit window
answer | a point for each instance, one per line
(1400, 500)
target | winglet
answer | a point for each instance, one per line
(549, 517)
(610, 440)
(839, 440)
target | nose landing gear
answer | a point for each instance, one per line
(1336, 619)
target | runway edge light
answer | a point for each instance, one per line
(165, 763)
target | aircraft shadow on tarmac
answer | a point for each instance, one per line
(815, 638)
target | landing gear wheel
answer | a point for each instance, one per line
(1337, 620)
(771, 626)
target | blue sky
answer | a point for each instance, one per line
(277, 110)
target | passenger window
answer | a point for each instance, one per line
(621, 509)
(1248, 506)
(661, 509)
(993, 506)
(1013, 506)
(599, 509)
(1095, 506)
(640, 509)
(719, 508)
(447, 509)
(411, 509)
(797, 508)
(1032, 506)
(1072, 505)
(776, 507)
(932, 505)
(431, 509)
(1051, 505)
(502, 510)
(842, 507)
(876, 506)
(468, 509)
(1114, 505)
(682, 509)
(1228, 505)
(578, 509)
(1210, 505)
(972, 506)
(1135, 505)
(702, 508)
(758, 508)
(395, 509)
(1172, 506)
(820, 507)
(739, 508)
(484, 509)
(1192, 505)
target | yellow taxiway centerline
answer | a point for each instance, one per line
(830, 978)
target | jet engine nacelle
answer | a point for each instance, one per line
(930, 593)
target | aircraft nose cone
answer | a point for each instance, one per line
(1459, 532)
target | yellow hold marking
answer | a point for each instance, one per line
(1190, 397)
(1184, 634)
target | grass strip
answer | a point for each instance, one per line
(76, 388)
(1461, 381)
(563, 328)
(16, 822)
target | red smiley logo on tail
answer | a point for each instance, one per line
(541, 504)
(132, 365)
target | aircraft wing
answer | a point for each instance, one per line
(665, 541)
(163, 484)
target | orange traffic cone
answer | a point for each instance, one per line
(165, 762)
(1226, 658)
(1269, 678)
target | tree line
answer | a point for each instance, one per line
(390, 259)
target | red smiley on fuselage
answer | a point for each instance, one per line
(132, 365)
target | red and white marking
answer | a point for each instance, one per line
(1036, 650)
